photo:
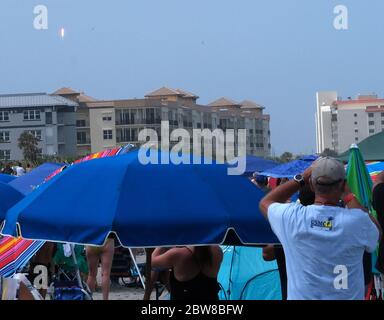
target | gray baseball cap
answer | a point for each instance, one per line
(327, 171)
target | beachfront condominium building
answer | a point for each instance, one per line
(50, 118)
(340, 123)
(102, 124)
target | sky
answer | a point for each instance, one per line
(278, 53)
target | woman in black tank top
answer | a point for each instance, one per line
(201, 259)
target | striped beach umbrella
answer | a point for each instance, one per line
(15, 253)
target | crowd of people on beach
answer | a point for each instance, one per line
(325, 237)
(16, 169)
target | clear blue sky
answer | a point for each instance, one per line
(277, 53)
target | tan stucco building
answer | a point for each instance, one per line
(105, 124)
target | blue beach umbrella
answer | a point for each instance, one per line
(144, 205)
(6, 178)
(290, 169)
(28, 182)
(15, 253)
(257, 164)
(9, 196)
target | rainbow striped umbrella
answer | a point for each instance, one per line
(374, 168)
(15, 253)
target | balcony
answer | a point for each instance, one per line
(82, 124)
(83, 142)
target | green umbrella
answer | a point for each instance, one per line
(358, 177)
(360, 184)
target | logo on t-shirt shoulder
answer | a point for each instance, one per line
(325, 224)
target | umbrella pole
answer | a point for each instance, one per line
(148, 278)
(137, 268)
(78, 276)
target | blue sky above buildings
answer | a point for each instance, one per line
(277, 53)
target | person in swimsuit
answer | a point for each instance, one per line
(194, 271)
(103, 254)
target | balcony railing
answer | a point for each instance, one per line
(83, 142)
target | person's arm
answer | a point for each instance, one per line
(269, 253)
(351, 202)
(282, 193)
(165, 257)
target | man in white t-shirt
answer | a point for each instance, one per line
(19, 170)
(323, 243)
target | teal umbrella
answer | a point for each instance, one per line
(360, 183)
(358, 177)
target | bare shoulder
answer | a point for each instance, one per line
(181, 252)
(217, 251)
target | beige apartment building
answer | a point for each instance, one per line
(102, 124)
(342, 122)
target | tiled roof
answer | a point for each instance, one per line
(248, 104)
(66, 90)
(224, 102)
(165, 91)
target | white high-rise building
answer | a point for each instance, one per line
(340, 123)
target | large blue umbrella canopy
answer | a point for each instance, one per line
(6, 178)
(28, 182)
(9, 196)
(144, 205)
(257, 164)
(290, 169)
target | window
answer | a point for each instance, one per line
(356, 139)
(370, 115)
(4, 136)
(80, 123)
(4, 116)
(356, 130)
(371, 123)
(371, 131)
(382, 122)
(81, 138)
(382, 114)
(334, 117)
(107, 117)
(35, 133)
(355, 123)
(107, 134)
(32, 115)
(5, 155)
(355, 115)
(48, 117)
